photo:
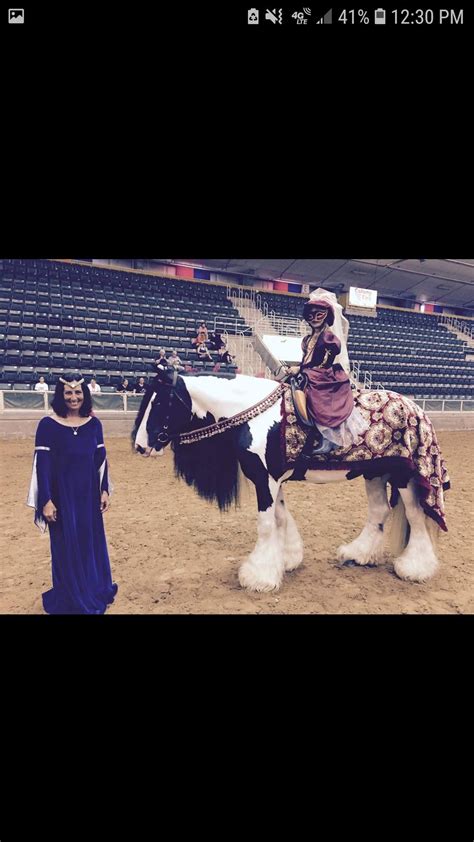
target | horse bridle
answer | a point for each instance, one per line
(164, 436)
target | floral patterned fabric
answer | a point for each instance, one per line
(400, 441)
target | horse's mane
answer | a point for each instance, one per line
(211, 467)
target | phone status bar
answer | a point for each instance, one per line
(308, 17)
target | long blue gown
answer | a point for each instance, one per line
(71, 470)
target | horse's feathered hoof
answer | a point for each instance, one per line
(255, 579)
(414, 568)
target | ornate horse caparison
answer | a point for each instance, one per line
(187, 411)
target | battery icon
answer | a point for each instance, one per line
(379, 16)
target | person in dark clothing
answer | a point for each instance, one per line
(69, 492)
(216, 342)
(161, 359)
(203, 353)
(140, 387)
(224, 356)
(124, 386)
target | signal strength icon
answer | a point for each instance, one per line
(327, 18)
(307, 11)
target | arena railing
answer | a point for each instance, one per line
(12, 399)
(461, 326)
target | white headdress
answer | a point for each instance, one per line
(340, 326)
(73, 383)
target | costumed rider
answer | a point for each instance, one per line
(329, 400)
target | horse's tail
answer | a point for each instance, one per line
(399, 534)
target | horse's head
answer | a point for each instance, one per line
(165, 411)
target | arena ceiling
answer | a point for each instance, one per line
(449, 282)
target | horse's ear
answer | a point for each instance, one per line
(164, 375)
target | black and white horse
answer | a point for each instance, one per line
(174, 405)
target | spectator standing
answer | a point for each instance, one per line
(140, 387)
(94, 387)
(124, 386)
(41, 386)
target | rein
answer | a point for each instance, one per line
(234, 420)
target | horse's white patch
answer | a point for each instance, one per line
(141, 439)
(368, 547)
(265, 566)
(224, 398)
(291, 538)
(259, 428)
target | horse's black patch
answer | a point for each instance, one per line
(273, 453)
(254, 469)
(244, 437)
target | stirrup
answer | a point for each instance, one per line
(299, 400)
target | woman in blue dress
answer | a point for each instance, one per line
(69, 491)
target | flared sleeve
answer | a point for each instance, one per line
(41, 484)
(331, 343)
(105, 483)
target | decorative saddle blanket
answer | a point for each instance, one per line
(400, 441)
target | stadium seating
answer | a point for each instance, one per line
(56, 316)
(63, 316)
(411, 353)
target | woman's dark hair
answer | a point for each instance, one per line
(58, 403)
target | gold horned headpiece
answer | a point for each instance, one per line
(72, 383)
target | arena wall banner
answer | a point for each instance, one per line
(23, 400)
(133, 402)
(107, 401)
(359, 297)
(286, 348)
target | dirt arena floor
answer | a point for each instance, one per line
(173, 553)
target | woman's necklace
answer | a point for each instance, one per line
(74, 429)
